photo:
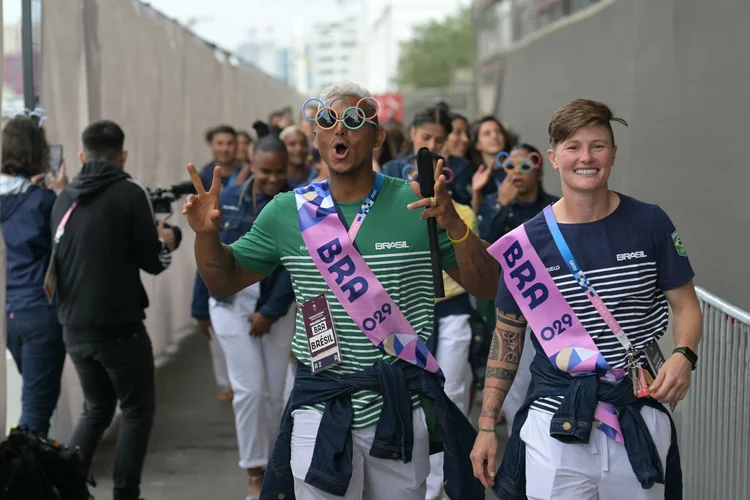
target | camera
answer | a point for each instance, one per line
(162, 198)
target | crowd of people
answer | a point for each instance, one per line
(315, 291)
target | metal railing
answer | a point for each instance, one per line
(715, 434)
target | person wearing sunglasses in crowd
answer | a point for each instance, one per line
(430, 129)
(368, 405)
(594, 276)
(521, 195)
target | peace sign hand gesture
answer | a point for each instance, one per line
(202, 209)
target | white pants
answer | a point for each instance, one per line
(454, 341)
(290, 374)
(599, 470)
(383, 479)
(218, 361)
(257, 369)
(517, 394)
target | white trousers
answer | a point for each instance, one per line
(454, 341)
(257, 369)
(290, 374)
(517, 394)
(218, 361)
(383, 479)
(599, 470)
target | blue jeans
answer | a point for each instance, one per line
(35, 341)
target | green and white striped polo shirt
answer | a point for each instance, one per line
(393, 241)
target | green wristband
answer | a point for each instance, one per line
(487, 430)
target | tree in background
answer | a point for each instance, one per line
(437, 50)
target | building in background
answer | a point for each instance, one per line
(278, 62)
(334, 53)
(12, 93)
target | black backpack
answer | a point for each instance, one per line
(33, 467)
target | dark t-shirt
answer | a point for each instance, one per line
(630, 257)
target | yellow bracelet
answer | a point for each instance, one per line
(464, 238)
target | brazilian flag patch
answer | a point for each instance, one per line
(678, 244)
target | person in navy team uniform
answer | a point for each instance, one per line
(633, 257)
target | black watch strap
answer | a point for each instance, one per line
(689, 354)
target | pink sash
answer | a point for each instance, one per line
(564, 339)
(350, 278)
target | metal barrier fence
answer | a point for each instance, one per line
(715, 434)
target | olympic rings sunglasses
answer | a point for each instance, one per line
(354, 117)
(532, 161)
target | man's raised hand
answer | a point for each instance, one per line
(202, 209)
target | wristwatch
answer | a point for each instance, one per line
(689, 354)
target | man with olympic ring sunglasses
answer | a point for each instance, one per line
(368, 405)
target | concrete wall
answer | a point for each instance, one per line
(678, 72)
(123, 61)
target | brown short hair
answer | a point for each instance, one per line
(578, 114)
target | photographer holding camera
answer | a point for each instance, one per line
(105, 234)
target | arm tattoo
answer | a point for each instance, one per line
(514, 320)
(506, 346)
(500, 373)
(497, 396)
(511, 346)
(494, 349)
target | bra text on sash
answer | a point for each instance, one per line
(343, 268)
(523, 271)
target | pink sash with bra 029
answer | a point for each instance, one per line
(351, 280)
(564, 339)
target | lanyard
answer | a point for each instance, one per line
(583, 281)
(61, 227)
(361, 215)
(363, 210)
(232, 177)
(253, 193)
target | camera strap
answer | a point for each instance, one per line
(50, 278)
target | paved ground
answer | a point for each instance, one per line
(193, 451)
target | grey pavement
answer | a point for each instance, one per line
(193, 450)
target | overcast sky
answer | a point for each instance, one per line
(230, 22)
(288, 23)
